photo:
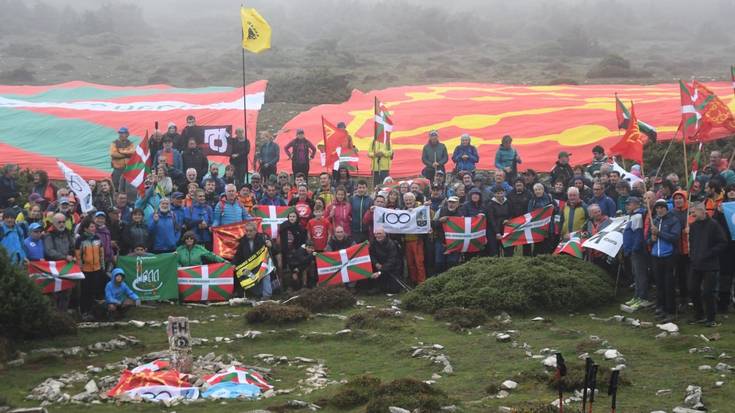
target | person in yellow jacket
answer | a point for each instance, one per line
(120, 152)
(574, 215)
(381, 156)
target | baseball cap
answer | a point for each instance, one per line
(177, 195)
(660, 202)
(564, 153)
(123, 129)
(100, 214)
(35, 227)
(34, 197)
(453, 199)
(633, 199)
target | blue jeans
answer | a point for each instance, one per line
(264, 288)
(638, 263)
(443, 261)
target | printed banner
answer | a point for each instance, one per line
(212, 282)
(398, 221)
(217, 140)
(153, 278)
(610, 239)
(79, 186)
(255, 268)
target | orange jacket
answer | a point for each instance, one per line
(119, 155)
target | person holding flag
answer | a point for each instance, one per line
(442, 260)
(380, 152)
(249, 246)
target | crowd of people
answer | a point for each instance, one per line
(676, 238)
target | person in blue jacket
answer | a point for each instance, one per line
(33, 244)
(634, 249)
(164, 228)
(228, 210)
(11, 238)
(465, 156)
(118, 296)
(663, 238)
(199, 218)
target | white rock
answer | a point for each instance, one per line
(343, 332)
(663, 392)
(503, 338)
(612, 354)
(502, 394)
(723, 368)
(550, 362)
(435, 376)
(719, 383)
(668, 327)
(448, 369)
(509, 385)
(537, 319)
(91, 387)
(505, 409)
(395, 409)
(680, 409)
(438, 347)
(137, 323)
(704, 367)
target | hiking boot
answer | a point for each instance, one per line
(636, 305)
(632, 301)
(696, 321)
(712, 323)
(645, 303)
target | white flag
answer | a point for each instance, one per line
(398, 221)
(610, 239)
(625, 175)
(79, 186)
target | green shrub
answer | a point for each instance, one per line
(374, 318)
(324, 298)
(518, 284)
(276, 313)
(24, 311)
(615, 66)
(409, 394)
(356, 392)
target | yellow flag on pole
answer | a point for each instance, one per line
(256, 32)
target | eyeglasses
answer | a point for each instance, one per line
(59, 222)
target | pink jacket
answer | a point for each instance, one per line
(342, 215)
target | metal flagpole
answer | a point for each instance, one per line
(245, 114)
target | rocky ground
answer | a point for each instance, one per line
(502, 364)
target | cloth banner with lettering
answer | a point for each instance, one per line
(217, 140)
(465, 234)
(54, 276)
(529, 228)
(344, 266)
(255, 268)
(272, 217)
(79, 186)
(610, 239)
(212, 282)
(153, 277)
(398, 221)
(227, 237)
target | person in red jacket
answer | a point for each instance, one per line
(340, 211)
(318, 229)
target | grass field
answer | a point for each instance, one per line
(479, 360)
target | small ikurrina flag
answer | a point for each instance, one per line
(465, 234)
(344, 266)
(255, 268)
(271, 217)
(139, 166)
(571, 247)
(155, 365)
(241, 375)
(528, 228)
(212, 282)
(54, 276)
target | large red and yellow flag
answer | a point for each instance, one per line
(338, 147)
(543, 120)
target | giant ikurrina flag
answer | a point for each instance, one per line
(77, 121)
(543, 120)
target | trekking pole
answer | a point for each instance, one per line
(612, 389)
(617, 277)
(593, 385)
(561, 371)
(587, 368)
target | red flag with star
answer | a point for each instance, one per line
(338, 147)
(631, 145)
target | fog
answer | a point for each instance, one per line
(404, 40)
